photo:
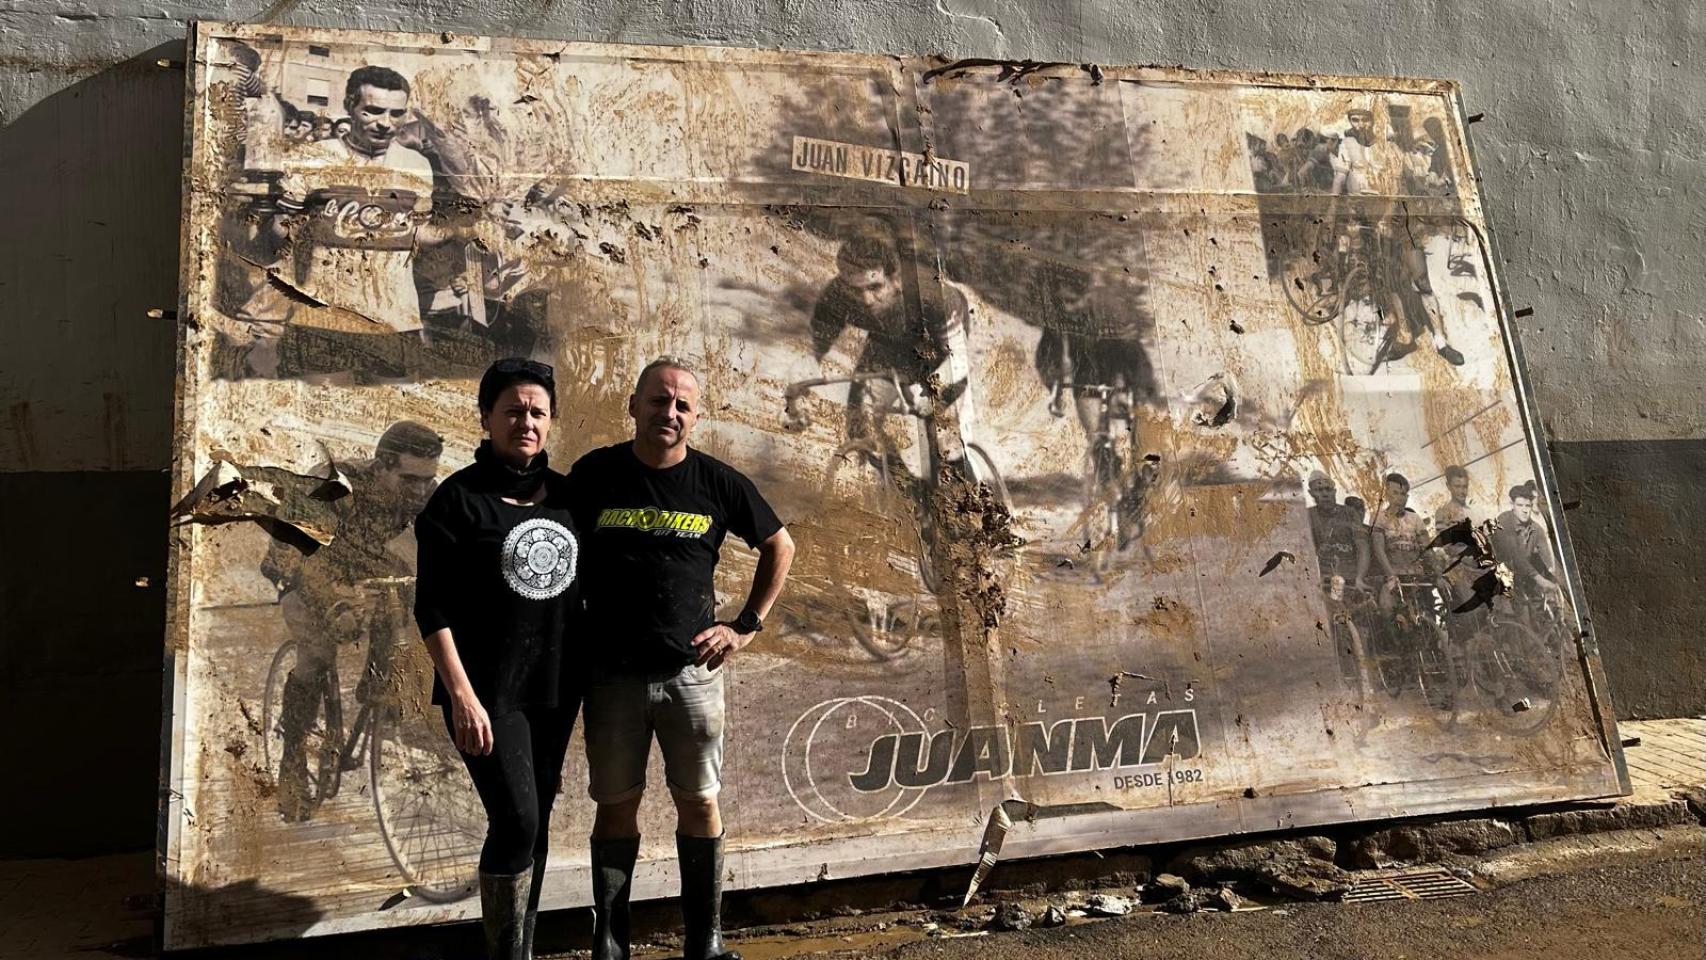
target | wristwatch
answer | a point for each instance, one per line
(747, 622)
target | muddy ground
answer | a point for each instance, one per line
(1571, 900)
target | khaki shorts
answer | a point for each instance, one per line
(683, 710)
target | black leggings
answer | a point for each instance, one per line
(518, 782)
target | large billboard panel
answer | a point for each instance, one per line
(1155, 443)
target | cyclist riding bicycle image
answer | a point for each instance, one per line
(321, 596)
(1364, 267)
(907, 337)
(1520, 542)
(1397, 541)
(1091, 355)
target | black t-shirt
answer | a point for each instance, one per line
(652, 542)
(505, 579)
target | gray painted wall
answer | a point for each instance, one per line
(1592, 150)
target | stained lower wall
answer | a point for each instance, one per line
(82, 611)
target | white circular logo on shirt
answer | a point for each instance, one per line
(539, 558)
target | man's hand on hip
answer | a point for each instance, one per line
(714, 644)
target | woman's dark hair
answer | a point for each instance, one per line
(508, 372)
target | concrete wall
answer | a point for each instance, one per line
(1593, 165)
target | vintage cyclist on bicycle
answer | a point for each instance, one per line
(1383, 236)
(1340, 545)
(1091, 350)
(1520, 543)
(320, 596)
(908, 334)
(1398, 543)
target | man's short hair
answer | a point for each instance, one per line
(665, 362)
(1399, 479)
(383, 78)
(1523, 490)
(1455, 472)
(408, 438)
(868, 251)
(1359, 112)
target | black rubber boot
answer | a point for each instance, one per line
(612, 885)
(702, 898)
(532, 918)
(503, 911)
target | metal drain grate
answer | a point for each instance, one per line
(1411, 885)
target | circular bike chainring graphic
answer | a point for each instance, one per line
(538, 558)
(830, 741)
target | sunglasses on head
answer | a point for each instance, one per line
(518, 365)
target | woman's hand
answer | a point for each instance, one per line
(473, 726)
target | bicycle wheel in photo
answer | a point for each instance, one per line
(1437, 675)
(861, 469)
(985, 472)
(322, 733)
(887, 628)
(1347, 641)
(1314, 305)
(1521, 673)
(1103, 470)
(429, 815)
(1390, 661)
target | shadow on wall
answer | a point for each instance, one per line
(1637, 536)
(89, 188)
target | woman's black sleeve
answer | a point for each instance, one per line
(435, 562)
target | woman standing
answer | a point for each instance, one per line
(494, 596)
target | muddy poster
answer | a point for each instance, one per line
(1154, 443)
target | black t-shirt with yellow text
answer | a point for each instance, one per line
(652, 540)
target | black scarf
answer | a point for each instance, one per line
(496, 477)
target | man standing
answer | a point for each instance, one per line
(363, 195)
(1337, 531)
(1357, 165)
(1399, 537)
(1456, 510)
(653, 514)
(1520, 543)
(1454, 543)
(321, 596)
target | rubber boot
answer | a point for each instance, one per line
(503, 911)
(701, 861)
(612, 885)
(532, 918)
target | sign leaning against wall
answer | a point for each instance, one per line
(1155, 443)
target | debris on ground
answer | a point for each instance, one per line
(1224, 899)
(1106, 905)
(1301, 867)
(1164, 887)
(1189, 902)
(1052, 917)
(1011, 916)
